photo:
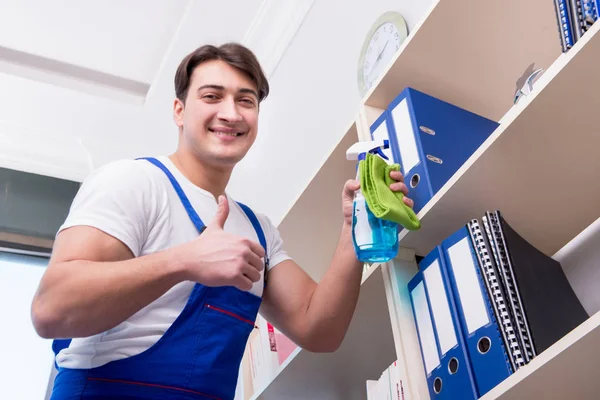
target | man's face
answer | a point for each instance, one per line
(219, 120)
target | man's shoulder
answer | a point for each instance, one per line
(277, 253)
(125, 169)
(263, 218)
(124, 175)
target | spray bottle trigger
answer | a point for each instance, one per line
(381, 154)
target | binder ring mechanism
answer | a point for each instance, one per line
(453, 366)
(437, 385)
(484, 344)
(414, 181)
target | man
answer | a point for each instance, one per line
(159, 305)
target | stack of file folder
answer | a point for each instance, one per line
(430, 139)
(575, 17)
(485, 303)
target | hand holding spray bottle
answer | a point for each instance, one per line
(375, 239)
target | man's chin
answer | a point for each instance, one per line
(228, 160)
(221, 157)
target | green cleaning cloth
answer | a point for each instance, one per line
(384, 203)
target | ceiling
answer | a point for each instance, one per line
(111, 48)
(123, 38)
(86, 82)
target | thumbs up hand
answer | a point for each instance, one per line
(219, 258)
(218, 221)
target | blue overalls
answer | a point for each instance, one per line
(197, 358)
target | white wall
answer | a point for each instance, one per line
(27, 357)
(314, 97)
(42, 124)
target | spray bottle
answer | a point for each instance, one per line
(375, 240)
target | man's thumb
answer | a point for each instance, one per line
(222, 213)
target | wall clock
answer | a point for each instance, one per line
(381, 44)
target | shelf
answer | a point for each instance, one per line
(471, 53)
(370, 271)
(568, 369)
(539, 167)
(367, 350)
(579, 259)
(311, 228)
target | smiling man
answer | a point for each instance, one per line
(148, 302)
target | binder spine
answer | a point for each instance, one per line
(492, 228)
(576, 14)
(565, 28)
(496, 294)
(590, 13)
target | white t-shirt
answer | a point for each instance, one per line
(135, 202)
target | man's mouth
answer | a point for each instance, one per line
(225, 132)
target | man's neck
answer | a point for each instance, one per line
(211, 179)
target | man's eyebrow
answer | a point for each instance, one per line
(251, 91)
(219, 87)
(216, 87)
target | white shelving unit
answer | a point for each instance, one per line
(539, 168)
(568, 369)
(471, 53)
(540, 160)
(367, 349)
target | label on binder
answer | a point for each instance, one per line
(407, 143)
(425, 327)
(440, 307)
(467, 284)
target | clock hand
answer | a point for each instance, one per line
(382, 50)
(379, 56)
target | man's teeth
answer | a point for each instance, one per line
(228, 134)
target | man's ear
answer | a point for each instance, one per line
(178, 111)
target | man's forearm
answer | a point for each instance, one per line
(83, 298)
(334, 299)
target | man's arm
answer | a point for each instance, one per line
(93, 283)
(316, 317)
(313, 316)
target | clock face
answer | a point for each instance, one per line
(384, 43)
(381, 43)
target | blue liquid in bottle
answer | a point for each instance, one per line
(375, 240)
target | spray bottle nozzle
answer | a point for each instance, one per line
(359, 150)
(381, 153)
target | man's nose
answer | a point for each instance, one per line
(229, 111)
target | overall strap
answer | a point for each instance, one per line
(258, 228)
(184, 200)
(196, 218)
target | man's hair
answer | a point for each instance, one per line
(234, 54)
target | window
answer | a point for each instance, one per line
(27, 359)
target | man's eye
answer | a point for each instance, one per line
(210, 96)
(248, 101)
